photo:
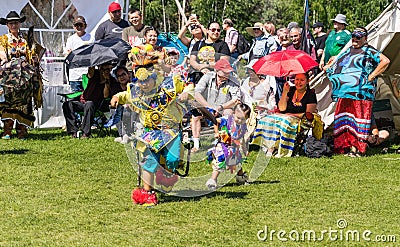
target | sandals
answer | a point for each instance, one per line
(353, 154)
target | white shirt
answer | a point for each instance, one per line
(74, 42)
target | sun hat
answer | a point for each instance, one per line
(340, 18)
(257, 25)
(223, 65)
(12, 16)
(173, 51)
(114, 7)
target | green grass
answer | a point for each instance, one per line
(68, 192)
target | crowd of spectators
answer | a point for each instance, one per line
(272, 107)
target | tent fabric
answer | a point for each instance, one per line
(384, 35)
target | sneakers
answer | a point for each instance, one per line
(125, 139)
(211, 184)
(242, 179)
(143, 197)
(118, 139)
(6, 137)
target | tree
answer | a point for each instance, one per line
(246, 12)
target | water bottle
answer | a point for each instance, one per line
(2, 98)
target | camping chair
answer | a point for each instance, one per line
(100, 117)
(309, 122)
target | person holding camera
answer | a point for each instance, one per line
(197, 31)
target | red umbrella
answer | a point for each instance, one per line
(284, 63)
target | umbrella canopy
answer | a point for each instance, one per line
(99, 52)
(284, 63)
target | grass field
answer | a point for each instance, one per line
(57, 191)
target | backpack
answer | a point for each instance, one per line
(315, 148)
(243, 45)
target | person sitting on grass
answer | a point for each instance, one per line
(155, 99)
(229, 131)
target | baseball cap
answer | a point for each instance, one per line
(223, 65)
(317, 24)
(114, 7)
(79, 19)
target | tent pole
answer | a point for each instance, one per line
(178, 4)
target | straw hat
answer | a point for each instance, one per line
(257, 25)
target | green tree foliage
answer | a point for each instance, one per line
(246, 12)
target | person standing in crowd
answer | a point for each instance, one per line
(231, 37)
(125, 127)
(320, 38)
(336, 40)
(20, 59)
(134, 34)
(354, 76)
(197, 30)
(295, 36)
(78, 39)
(113, 27)
(206, 53)
(270, 28)
(263, 43)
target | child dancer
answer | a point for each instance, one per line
(158, 102)
(230, 133)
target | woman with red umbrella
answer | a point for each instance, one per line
(277, 133)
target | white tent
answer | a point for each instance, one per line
(384, 34)
(53, 25)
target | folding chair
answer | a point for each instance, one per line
(100, 117)
(309, 122)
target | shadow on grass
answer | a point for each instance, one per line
(47, 135)
(14, 151)
(167, 198)
(228, 194)
(257, 182)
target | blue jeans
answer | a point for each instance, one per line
(76, 86)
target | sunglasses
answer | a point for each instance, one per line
(294, 36)
(78, 25)
(256, 28)
(120, 75)
(215, 30)
(194, 27)
(356, 37)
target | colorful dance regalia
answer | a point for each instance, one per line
(355, 95)
(226, 153)
(20, 77)
(161, 114)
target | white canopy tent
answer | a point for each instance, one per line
(384, 34)
(53, 25)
